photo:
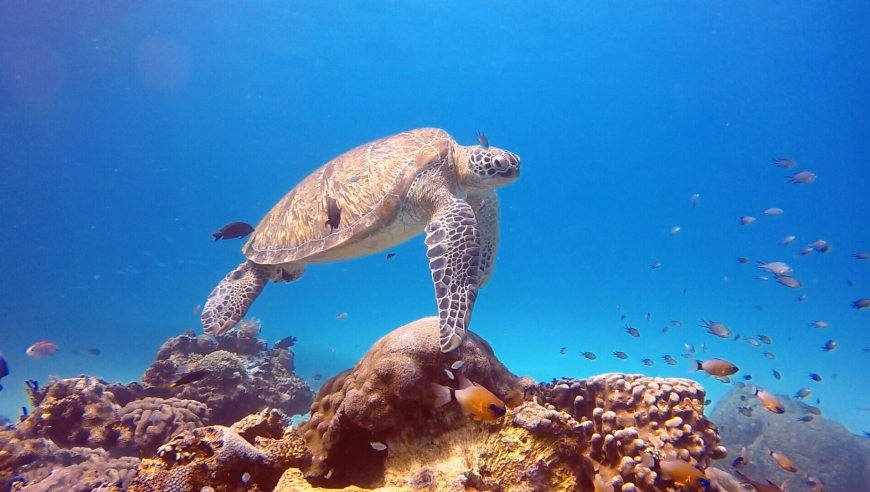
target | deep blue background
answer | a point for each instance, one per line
(129, 132)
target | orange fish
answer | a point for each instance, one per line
(684, 474)
(475, 400)
(42, 349)
(769, 401)
(715, 367)
(783, 461)
(760, 487)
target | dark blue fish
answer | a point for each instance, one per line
(333, 213)
(190, 377)
(4, 369)
(233, 230)
(284, 343)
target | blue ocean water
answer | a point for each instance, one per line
(131, 131)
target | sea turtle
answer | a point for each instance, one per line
(370, 199)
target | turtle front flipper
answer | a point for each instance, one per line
(485, 205)
(453, 242)
(230, 300)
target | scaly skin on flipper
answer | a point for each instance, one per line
(230, 300)
(453, 242)
(485, 205)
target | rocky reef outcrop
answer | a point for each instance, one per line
(819, 448)
(372, 427)
(243, 375)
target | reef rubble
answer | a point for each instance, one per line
(372, 427)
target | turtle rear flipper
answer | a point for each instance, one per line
(230, 300)
(453, 242)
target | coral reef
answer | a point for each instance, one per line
(819, 448)
(218, 456)
(388, 390)
(153, 421)
(243, 375)
(573, 433)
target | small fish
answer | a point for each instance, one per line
(588, 355)
(708, 402)
(284, 343)
(762, 278)
(647, 316)
(675, 230)
(742, 459)
(695, 199)
(341, 316)
(752, 341)
(246, 477)
(457, 365)
(390, 255)
(716, 328)
(623, 317)
(760, 487)
(317, 376)
(769, 355)
(632, 331)
(746, 220)
(676, 323)
(378, 446)
(775, 267)
(352, 180)
(669, 360)
(740, 385)
(197, 308)
(189, 378)
(783, 461)
(42, 349)
(620, 355)
(747, 377)
(333, 214)
(747, 411)
(815, 377)
(233, 230)
(813, 410)
(742, 260)
(4, 369)
(788, 240)
(861, 304)
(647, 362)
(665, 329)
(93, 351)
(688, 356)
(683, 474)
(759, 307)
(563, 350)
(482, 140)
(656, 266)
(806, 418)
(801, 177)
(861, 256)
(715, 367)
(783, 162)
(703, 347)
(769, 401)
(789, 282)
(474, 399)
(689, 347)
(449, 374)
(804, 298)
(772, 211)
(829, 345)
(777, 375)
(820, 324)
(765, 339)
(802, 393)
(805, 251)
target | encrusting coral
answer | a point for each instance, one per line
(243, 375)
(153, 421)
(220, 457)
(571, 435)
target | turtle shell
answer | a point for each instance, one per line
(368, 183)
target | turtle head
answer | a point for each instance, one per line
(487, 168)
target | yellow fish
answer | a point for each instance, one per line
(474, 399)
(769, 401)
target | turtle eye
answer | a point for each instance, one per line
(501, 164)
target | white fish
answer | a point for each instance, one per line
(695, 199)
(675, 230)
(378, 446)
(354, 179)
(789, 282)
(772, 211)
(449, 374)
(746, 220)
(775, 267)
(788, 240)
(801, 177)
(457, 365)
